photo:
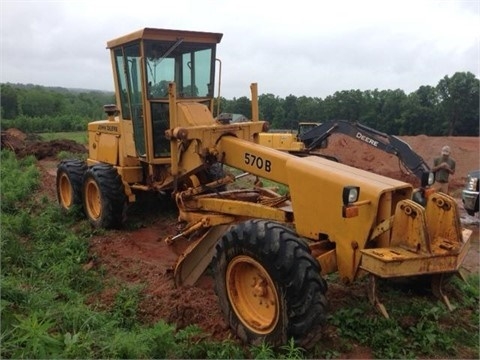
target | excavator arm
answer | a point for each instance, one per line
(388, 143)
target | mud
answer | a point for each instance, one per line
(23, 145)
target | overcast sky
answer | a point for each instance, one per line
(298, 47)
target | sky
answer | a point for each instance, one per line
(302, 48)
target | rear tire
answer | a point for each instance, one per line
(69, 183)
(269, 285)
(104, 197)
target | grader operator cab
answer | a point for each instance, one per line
(268, 251)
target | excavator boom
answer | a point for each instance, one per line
(388, 143)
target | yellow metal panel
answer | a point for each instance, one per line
(92, 144)
(328, 262)
(108, 148)
(409, 228)
(103, 139)
(317, 183)
(398, 261)
(443, 217)
(255, 159)
(284, 142)
(131, 174)
(128, 145)
(194, 114)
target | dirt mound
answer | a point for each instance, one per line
(465, 150)
(362, 156)
(24, 145)
(50, 149)
(13, 139)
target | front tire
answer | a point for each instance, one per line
(269, 285)
(104, 197)
(69, 183)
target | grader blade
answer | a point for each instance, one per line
(196, 258)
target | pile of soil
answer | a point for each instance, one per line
(23, 145)
(465, 151)
(140, 257)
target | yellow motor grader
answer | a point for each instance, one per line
(269, 252)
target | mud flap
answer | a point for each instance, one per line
(197, 256)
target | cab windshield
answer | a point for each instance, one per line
(189, 65)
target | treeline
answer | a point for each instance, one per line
(449, 108)
(33, 108)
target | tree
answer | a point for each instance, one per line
(243, 106)
(291, 112)
(460, 103)
(310, 109)
(421, 113)
(40, 102)
(267, 103)
(9, 103)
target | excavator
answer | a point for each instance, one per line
(414, 163)
(313, 136)
(269, 252)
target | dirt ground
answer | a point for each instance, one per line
(140, 256)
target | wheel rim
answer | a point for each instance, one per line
(93, 202)
(252, 294)
(65, 191)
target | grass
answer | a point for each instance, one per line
(45, 292)
(78, 136)
(419, 325)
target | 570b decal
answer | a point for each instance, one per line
(258, 162)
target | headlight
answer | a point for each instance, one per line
(350, 194)
(472, 183)
(427, 179)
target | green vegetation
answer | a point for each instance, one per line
(449, 108)
(33, 108)
(78, 136)
(419, 325)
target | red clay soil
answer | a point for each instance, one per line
(23, 145)
(465, 151)
(141, 257)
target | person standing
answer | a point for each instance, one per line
(443, 167)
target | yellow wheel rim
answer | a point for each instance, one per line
(65, 191)
(252, 294)
(93, 202)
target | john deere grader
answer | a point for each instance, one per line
(269, 252)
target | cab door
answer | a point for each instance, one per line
(128, 68)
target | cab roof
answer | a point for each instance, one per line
(167, 35)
